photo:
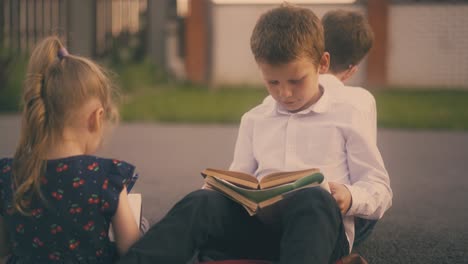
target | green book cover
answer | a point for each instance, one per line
(265, 194)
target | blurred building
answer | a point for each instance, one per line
(419, 43)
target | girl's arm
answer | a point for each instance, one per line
(4, 241)
(125, 229)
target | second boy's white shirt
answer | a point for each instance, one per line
(337, 135)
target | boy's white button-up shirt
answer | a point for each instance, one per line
(337, 135)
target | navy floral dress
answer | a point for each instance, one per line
(82, 194)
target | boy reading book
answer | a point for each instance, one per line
(307, 125)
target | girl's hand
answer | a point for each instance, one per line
(124, 226)
(342, 196)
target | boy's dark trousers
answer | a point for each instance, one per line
(306, 228)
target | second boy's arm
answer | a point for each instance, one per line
(370, 184)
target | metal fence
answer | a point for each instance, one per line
(114, 17)
(24, 22)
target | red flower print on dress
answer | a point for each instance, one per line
(58, 195)
(89, 226)
(37, 242)
(102, 235)
(61, 167)
(94, 199)
(20, 229)
(73, 244)
(105, 184)
(93, 167)
(6, 168)
(37, 212)
(104, 205)
(75, 209)
(77, 182)
(54, 256)
(54, 229)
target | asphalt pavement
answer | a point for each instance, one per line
(428, 171)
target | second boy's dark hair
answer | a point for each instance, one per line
(348, 38)
(286, 33)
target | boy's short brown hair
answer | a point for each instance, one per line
(286, 33)
(348, 38)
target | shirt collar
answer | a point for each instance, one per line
(330, 80)
(321, 106)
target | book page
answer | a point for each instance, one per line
(279, 178)
(259, 195)
(134, 199)
(240, 178)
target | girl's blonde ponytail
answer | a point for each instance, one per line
(29, 160)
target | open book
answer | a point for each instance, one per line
(250, 181)
(253, 195)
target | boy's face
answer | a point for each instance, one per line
(294, 85)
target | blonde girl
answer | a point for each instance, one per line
(57, 200)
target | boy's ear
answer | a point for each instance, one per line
(95, 122)
(324, 63)
(349, 73)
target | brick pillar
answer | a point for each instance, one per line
(377, 61)
(197, 34)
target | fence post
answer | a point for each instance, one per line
(81, 23)
(2, 24)
(197, 41)
(14, 26)
(377, 62)
(157, 16)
